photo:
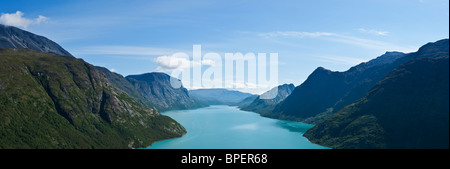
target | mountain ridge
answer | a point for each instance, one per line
(264, 106)
(70, 104)
(157, 89)
(325, 91)
(217, 96)
(50, 99)
(407, 109)
(12, 37)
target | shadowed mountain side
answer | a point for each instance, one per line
(325, 92)
(409, 108)
(325, 89)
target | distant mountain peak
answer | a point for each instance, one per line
(433, 46)
(277, 91)
(392, 52)
(214, 96)
(12, 37)
(265, 103)
(325, 92)
(320, 68)
(439, 43)
(408, 109)
(386, 58)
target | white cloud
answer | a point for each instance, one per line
(17, 19)
(41, 19)
(169, 63)
(373, 32)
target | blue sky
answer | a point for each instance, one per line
(128, 36)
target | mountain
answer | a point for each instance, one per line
(53, 101)
(324, 92)
(123, 84)
(248, 100)
(265, 106)
(12, 37)
(157, 90)
(408, 109)
(219, 96)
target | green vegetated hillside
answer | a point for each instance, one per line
(53, 101)
(409, 108)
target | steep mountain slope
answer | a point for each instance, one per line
(248, 100)
(53, 101)
(123, 84)
(219, 96)
(12, 37)
(157, 90)
(265, 106)
(326, 92)
(325, 89)
(409, 108)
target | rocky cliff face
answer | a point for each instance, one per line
(12, 37)
(157, 90)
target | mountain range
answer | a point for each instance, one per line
(53, 101)
(324, 92)
(50, 99)
(408, 109)
(156, 88)
(153, 90)
(12, 37)
(219, 96)
(396, 100)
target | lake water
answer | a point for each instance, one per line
(226, 127)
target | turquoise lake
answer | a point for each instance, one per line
(227, 127)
